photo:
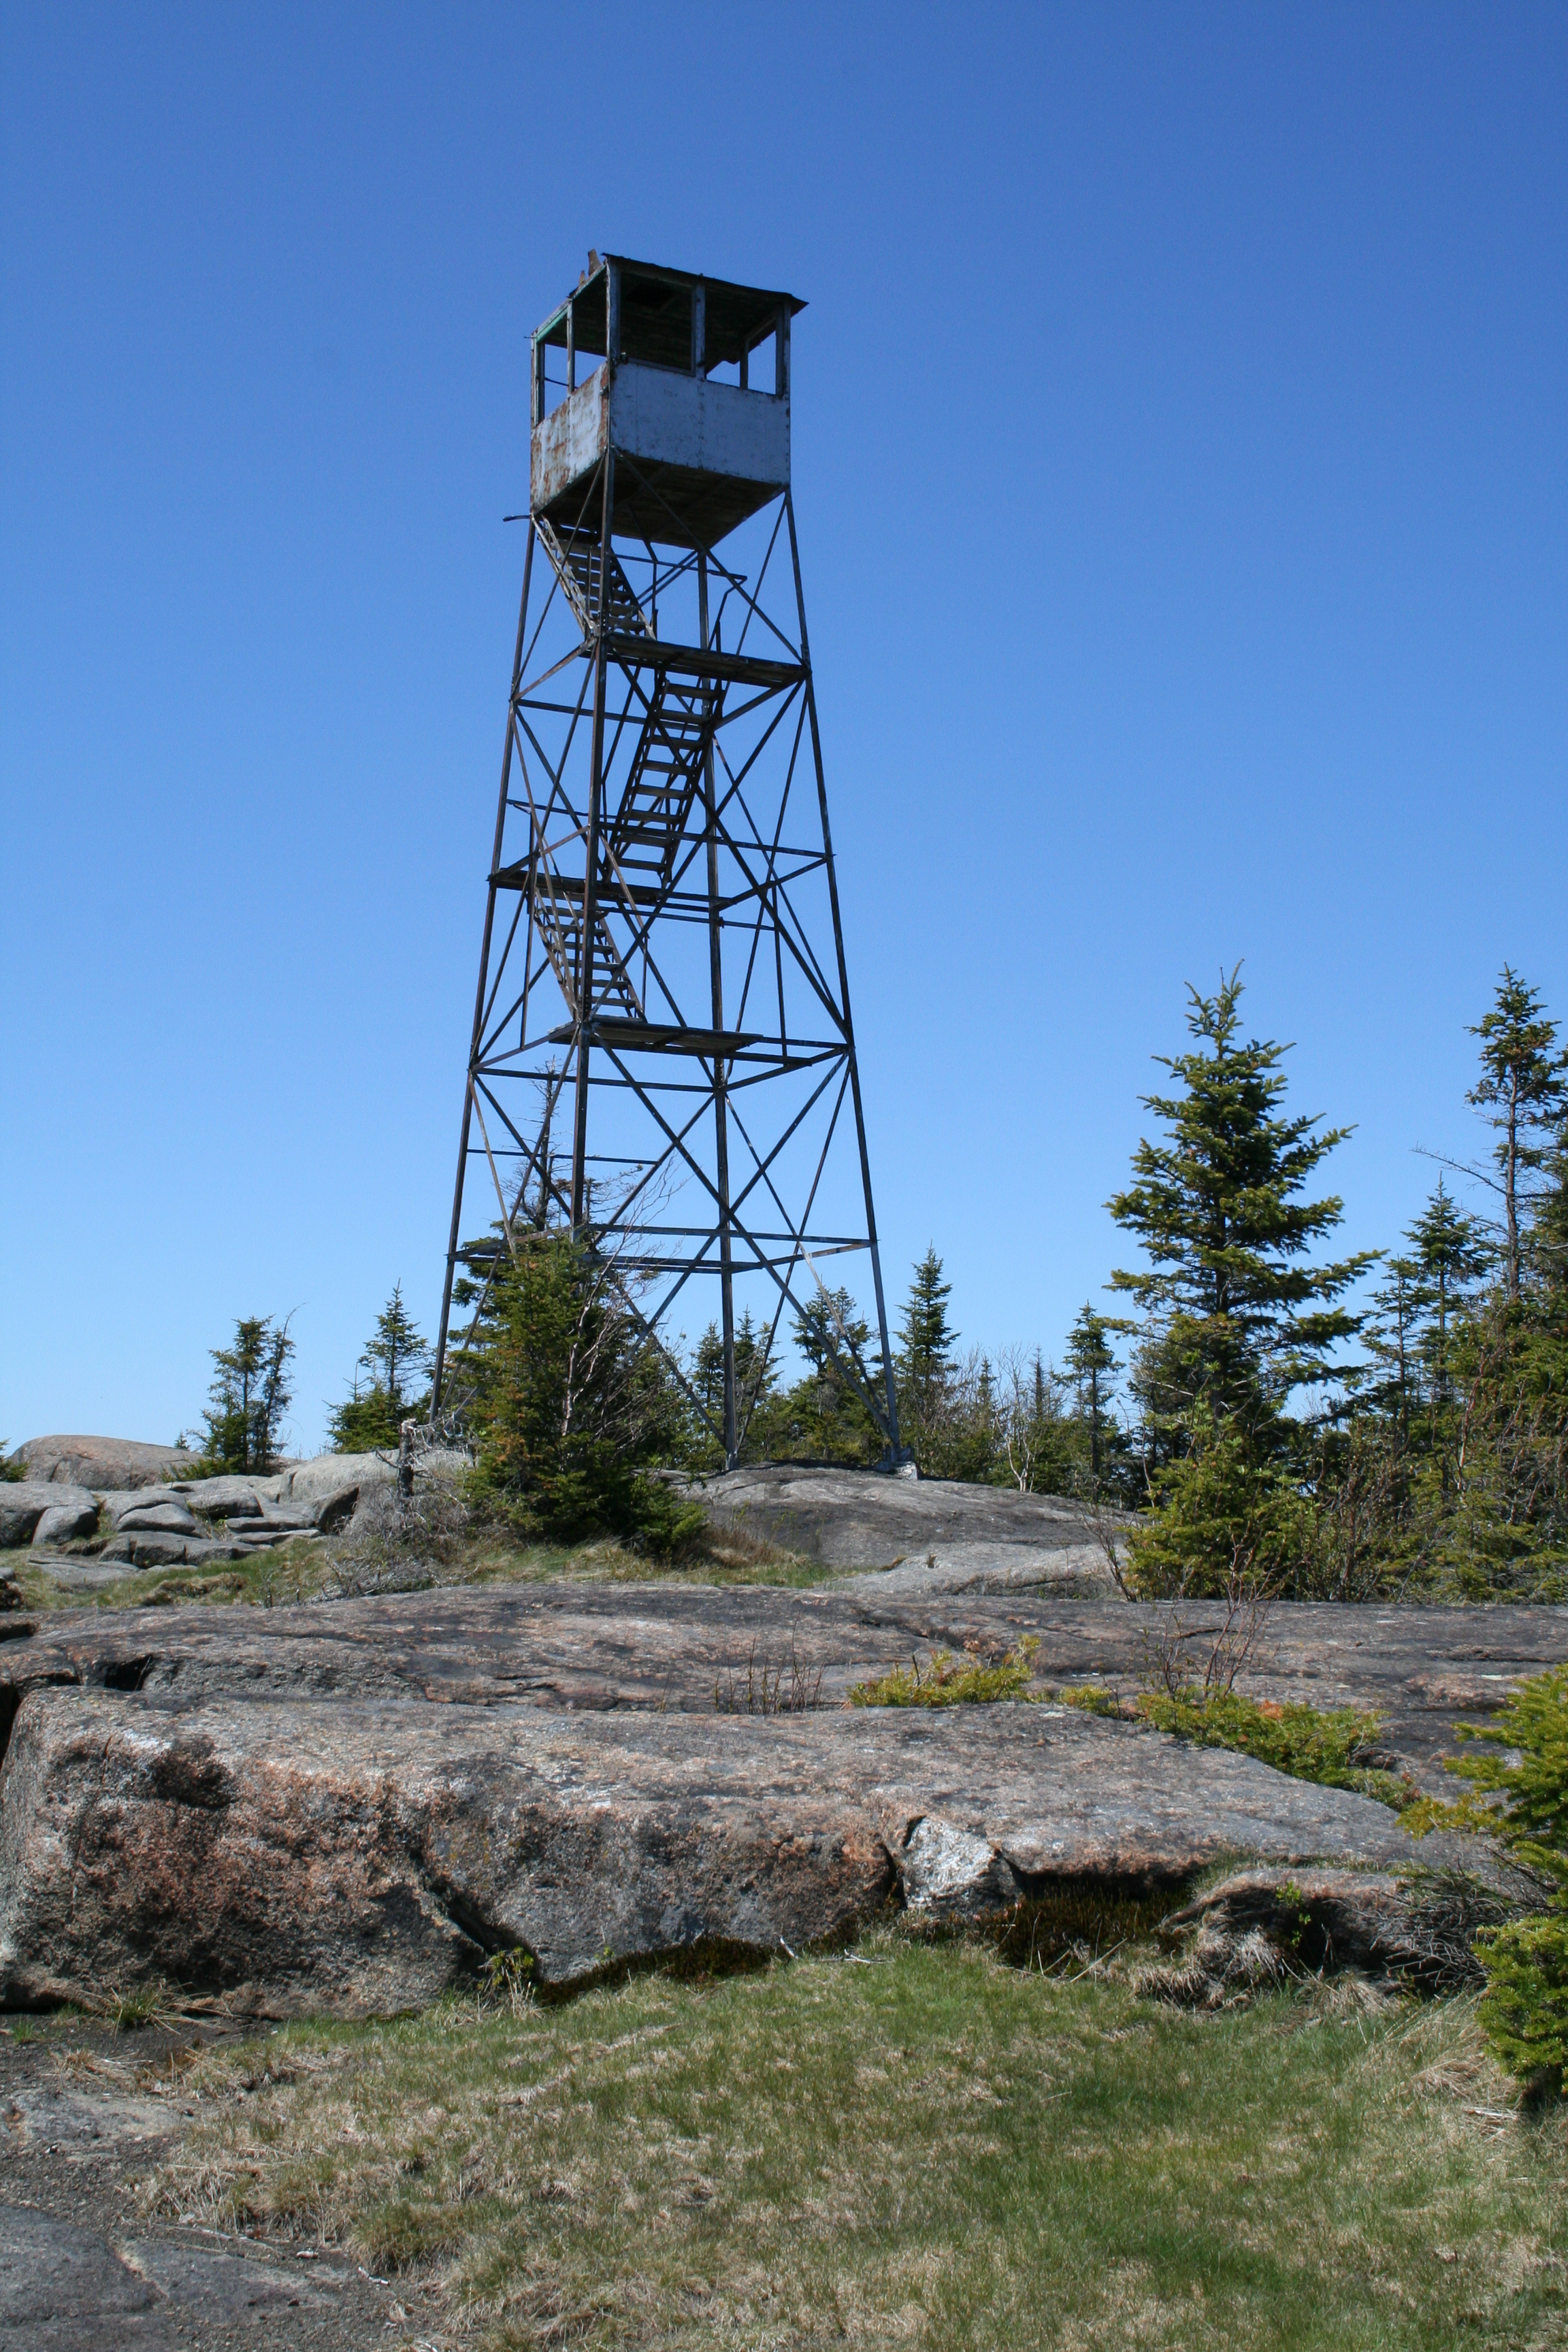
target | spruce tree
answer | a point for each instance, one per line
(707, 1378)
(1523, 1088)
(826, 1411)
(926, 1339)
(829, 1330)
(395, 1356)
(1094, 1365)
(924, 1368)
(1237, 1315)
(754, 1387)
(573, 1402)
(1392, 1337)
(1448, 1256)
(250, 1395)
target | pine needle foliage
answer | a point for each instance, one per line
(1237, 1317)
(395, 1357)
(574, 1405)
(1521, 1779)
(249, 1396)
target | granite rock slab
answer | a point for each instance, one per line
(361, 1859)
(104, 1464)
(858, 1519)
(581, 1646)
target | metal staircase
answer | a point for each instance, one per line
(575, 557)
(666, 775)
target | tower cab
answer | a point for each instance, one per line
(683, 381)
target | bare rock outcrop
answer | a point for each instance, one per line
(932, 1535)
(26, 1503)
(361, 1858)
(346, 1806)
(687, 1648)
(102, 1463)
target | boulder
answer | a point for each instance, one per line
(937, 1536)
(102, 1463)
(23, 1501)
(334, 1511)
(361, 1858)
(157, 1518)
(271, 1532)
(146, 1548)
(65, 1522)
(308, 1484)
(86, 1572)
(220, 1498)
(162, 1508)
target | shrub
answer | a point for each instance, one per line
(1305, 1742)
(952, 1682)
(1524, 2009)
(1091, 1698)
(1534, 1722)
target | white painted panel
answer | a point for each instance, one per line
(717, 428)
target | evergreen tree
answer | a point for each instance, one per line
(395, 1356)
(829, 1331)
(1394, 1340)
(926, 1340)
(1450, 1253)
(1237, 1317)
(1547, 1241)
(826, 1413)
(573, 1403)
(1094, 1366)
(250, 1395)
(754, 1366)
(708, 1380)
(754, 1387)
(1227, 1523)
(1524, 1086)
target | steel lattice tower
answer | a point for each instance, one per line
(662, 1050)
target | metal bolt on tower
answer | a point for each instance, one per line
(662, 1050)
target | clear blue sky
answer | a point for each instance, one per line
(1180, 455)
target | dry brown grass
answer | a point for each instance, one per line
(340, 1568)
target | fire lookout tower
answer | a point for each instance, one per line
(662, 1052)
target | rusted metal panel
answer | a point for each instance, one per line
(570, 442)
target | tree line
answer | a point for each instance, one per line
(1266, 1420)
